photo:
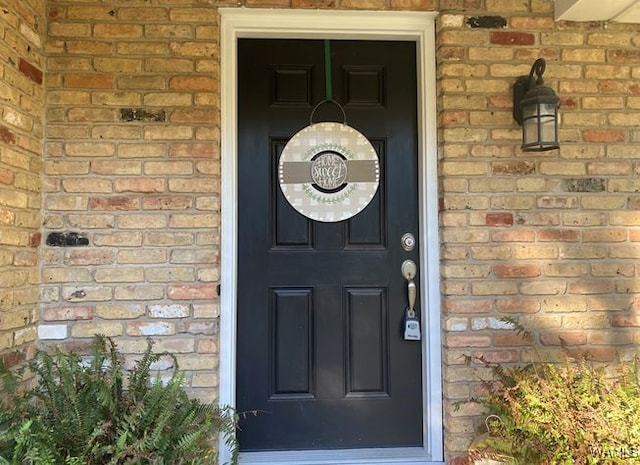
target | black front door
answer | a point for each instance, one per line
(321, 356)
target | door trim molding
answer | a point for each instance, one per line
(419, 27)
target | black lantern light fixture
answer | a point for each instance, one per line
(535, 108)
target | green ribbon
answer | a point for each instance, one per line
(327, 70)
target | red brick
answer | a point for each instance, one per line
(516, 271)
(499, 219)
(30, 71)
(87, 80)
(603, 135)
(512, 38)
(13, 358)
(56, 13)
(7, 136)
(35, 239)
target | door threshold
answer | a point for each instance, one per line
(374, 456)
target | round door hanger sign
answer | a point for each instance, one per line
(329, 172)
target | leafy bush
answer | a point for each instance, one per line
(566, 413)
(87, 410)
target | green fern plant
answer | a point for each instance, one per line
(90, 411)
(566, 413)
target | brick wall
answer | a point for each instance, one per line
(22, 27)
(131, 181)
(549, 238)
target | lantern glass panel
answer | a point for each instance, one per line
(548, 129)
(529, 131)
(546, 108)
(539, 131)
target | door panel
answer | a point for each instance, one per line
(320, 352)
(291, 229)
(366, 333)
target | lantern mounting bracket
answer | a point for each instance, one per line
(525, 83)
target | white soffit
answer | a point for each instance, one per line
(621, 11)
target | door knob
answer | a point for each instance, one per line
(409, 270)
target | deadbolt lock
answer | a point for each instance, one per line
(408, 242)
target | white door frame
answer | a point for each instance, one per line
(336, 24)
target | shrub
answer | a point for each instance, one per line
(89, 410)
(566, 413)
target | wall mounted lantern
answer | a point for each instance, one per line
(535, 108)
